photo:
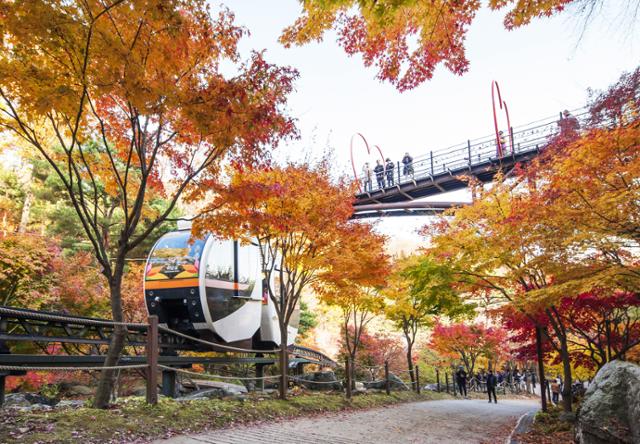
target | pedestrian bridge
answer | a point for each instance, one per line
(449, 169)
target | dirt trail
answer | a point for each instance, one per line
(441, 422)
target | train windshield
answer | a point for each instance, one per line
(175, 257)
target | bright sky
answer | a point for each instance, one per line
(542, 69)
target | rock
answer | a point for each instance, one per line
(394, 382)
(80, 390)
(610, 412)
(16, 400)
(40, 407)
(35, 398)
(360, 388)
(70, 403)
(210, 393)
(431, 387)
(319, 381)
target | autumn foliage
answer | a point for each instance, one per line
(407, 40)
(464, 344)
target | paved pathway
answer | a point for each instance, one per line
(441, 422)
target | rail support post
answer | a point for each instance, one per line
(387, 385)
(446, 381)
(2, 382)
(169, 383)
(417, 380)
(259, 376)
(3, 350)
(347, 372)
(152, 360)
(438, 380)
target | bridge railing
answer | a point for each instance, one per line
(484, 150)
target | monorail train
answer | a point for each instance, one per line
(212, 289)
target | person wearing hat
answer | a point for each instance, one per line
(379, 170)
(389, 171)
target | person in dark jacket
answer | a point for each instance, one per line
(389, 171)
(461, 379)
(492, 382)
(379, 170)
(407, 161)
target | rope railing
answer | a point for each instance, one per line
(44, 316)
(10, 368)
(217, 345)
(208, 375)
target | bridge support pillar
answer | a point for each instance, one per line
(169, 383)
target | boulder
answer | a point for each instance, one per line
(319, 381)
(210, 393)
(395, 383)
(70, 403)
(16, 400)
(80, 390)
(27, 400)
(610, 412)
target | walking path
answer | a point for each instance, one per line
(441, 422)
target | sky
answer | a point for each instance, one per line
(542, 69)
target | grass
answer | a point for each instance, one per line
(133, 420)
(548, 428)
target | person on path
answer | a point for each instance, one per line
(407, 162)
(555, 392)
(492, 382)
(366, 176)
(379, 170)
(389, 171)
(461, 379)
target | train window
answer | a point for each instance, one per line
(174, 257)
(220, 261)
(248, 269)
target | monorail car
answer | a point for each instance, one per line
(212, 289)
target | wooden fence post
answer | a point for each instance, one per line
(387, 385)
(152, 360)
(347, 372)
(417, 380)
(438, 380)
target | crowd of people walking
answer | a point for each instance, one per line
(525, 381)
(386, 174)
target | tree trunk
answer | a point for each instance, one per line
(410, 365)
(568, 380)
(107, 377)
(542, 379)
(284, 362)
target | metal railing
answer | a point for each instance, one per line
(518, 141)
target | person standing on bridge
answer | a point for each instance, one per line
(366, 177)
(379, 170)
(461, 379)
(407, 162)
(389, 171)
(492, 382)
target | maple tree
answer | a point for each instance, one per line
(129, 97)
(353, 280)
(419, 290)
(467, 343)
(602, 327)
(374, 350)
(408, 39)
(300, 220)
